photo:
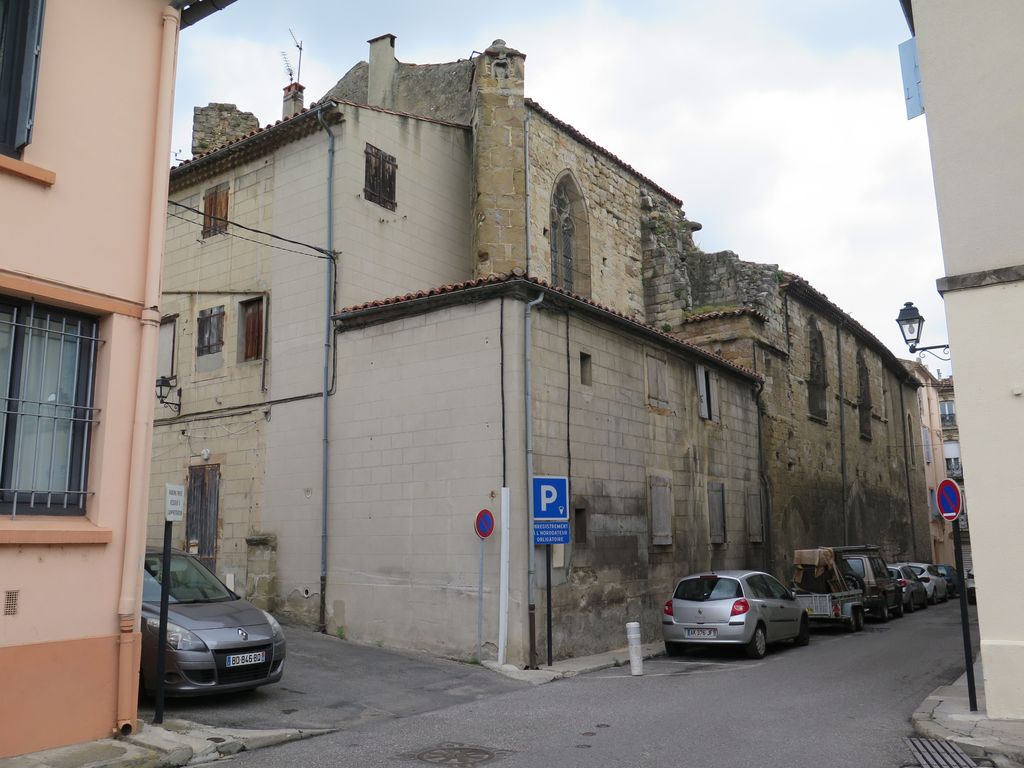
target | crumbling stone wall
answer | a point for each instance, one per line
(217, 124)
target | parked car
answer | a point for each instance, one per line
(933, 581)
(742, 608)
(914, 593)
(864, 566)
(972, 596)
(823, 592)
(216, 641)
(952, 578)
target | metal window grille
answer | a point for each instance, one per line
(210, 331)
(11, 602)
(381, 172)
(47, 370)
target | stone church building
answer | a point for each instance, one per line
(491, 295)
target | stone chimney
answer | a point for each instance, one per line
(293, 100)
(380, 82)
(217, 124)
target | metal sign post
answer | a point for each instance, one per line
(174, 512)
(550, 526)
(950, 502)
(484, 527)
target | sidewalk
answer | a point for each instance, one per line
(946, 714)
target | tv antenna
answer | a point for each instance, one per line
(298, 69)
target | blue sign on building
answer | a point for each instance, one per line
(550, 510)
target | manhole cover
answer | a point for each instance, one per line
(458, 755)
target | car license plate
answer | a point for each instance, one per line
(702, 634)
(241, 659)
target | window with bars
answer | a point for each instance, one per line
(215, 210)
(210, 331)
(47, 370)
(250, 328)
(381, 171)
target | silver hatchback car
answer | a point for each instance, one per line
(743, 608)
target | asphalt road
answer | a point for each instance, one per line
(330, 683)
(842, 702)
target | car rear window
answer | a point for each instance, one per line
(857, 566)
(706, 588)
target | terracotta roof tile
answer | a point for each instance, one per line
(454, 288)
(726, 313)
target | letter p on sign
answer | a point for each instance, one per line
(551, 498)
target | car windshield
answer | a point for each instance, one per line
(706, 588)
(190, 582)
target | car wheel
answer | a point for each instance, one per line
(932, 600)
(883, 611)
(674, 650)
(858, 619)
(758, 645)
(803, 637)
(910, 607)
(899, 609)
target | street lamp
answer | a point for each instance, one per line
(911, 322)
(164, 385)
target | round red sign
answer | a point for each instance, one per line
(484, 525)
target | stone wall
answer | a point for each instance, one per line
(217, 124)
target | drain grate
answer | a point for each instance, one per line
(935, 753)
(457, 755)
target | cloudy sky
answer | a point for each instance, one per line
(780, 123)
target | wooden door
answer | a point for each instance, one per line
(201, 521)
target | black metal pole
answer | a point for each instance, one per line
(547, 556)
(161, 647)
(962, 588)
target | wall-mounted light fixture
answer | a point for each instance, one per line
(164, 385)
(911, 322)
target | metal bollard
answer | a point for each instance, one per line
(636, 659)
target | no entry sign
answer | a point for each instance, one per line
(948, 498)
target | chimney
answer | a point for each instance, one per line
(292, 100)
(379, 91)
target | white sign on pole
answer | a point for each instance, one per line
(174, 503)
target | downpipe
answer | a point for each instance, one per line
(129, 637)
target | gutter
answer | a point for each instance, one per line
(128, 605)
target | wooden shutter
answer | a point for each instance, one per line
(716, 512)
(252, 317)
(659, 494)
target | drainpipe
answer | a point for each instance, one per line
(842, 431)
(328, 331)
(906, 469)
(142, 427)
(530, 548)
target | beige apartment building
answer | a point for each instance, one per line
(971, 68)
(83, 235)
(336, 458)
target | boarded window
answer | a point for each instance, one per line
(817, 380)
(215, 210)
(707, 393)
(755, 520)
(716, 512)
(381, 172)
(926, 444)
(250, 326)
(659, 494)
(864, 395)
(210, 331)
(166, 348)
(657, 382)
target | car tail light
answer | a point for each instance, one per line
(667, 610)
(835, 610)
(902, 583)
(739, 607)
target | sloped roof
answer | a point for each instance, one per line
(471, 290)
(715, 315)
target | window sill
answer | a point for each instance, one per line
(27, 171)
(40, 529)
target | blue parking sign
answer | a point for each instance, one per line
(551, 498)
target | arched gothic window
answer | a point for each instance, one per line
(570, 237)
(818, 379)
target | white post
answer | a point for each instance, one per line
(636, 659)
(503, 578)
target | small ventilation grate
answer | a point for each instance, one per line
(10, 602)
